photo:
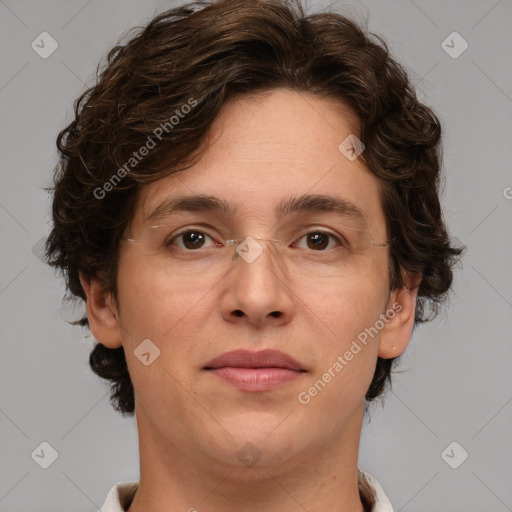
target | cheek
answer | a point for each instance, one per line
(347, 346)
(343, 309)
(157, 308)
(171, 317)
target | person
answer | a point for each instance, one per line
(247, 200)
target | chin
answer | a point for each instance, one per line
(258, 441)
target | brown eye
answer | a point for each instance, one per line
(317, 240)
(190, 239)
(193, 239)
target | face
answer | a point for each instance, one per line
(263, 150)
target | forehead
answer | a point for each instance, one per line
(270, 147)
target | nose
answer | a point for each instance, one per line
(256, 290)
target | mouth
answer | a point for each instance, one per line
(255, 371)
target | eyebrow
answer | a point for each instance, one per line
(319, 203)
(314, 203)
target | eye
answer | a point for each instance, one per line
(190, 239)
(318, 240)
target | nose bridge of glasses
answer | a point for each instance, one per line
(250, 248)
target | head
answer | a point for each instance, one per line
(248, 102)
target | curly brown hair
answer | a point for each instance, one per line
(201, 55)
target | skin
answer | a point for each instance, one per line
(191, 424)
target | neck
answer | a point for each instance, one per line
(314, 480)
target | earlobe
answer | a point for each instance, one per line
(102, 313)
(396, 334)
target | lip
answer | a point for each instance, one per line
(255, 371)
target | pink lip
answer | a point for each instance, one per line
(255, 371)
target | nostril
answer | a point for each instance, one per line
(276, 314)
(238, 313)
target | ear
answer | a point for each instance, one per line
(102, 313)
(396, 334)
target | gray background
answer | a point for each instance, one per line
(456, 385)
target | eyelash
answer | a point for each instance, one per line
(169, 243)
